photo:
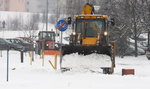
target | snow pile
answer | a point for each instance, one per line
(88, 62)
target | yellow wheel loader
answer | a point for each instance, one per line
(90, 36)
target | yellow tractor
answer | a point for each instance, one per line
(90, 35)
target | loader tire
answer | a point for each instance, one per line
(65, 69)
(107, 71)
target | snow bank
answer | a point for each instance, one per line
(88, 62)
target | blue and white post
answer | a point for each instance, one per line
(62, 25)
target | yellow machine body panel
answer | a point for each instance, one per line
(89, 41)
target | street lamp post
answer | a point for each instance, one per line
(47, 15)
(148, 38)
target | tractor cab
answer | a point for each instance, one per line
(46, 41)
(46, 35)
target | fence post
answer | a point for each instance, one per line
(1, 54)
(7, 64)
(42, 58)
(32, 55)
(21, 54)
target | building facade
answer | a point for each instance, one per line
(17, 5)
(13, 5)
(35, 6)
(4, 5)
(39, 6)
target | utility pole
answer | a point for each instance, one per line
(47, 15)
(148, 38)
(148, 28)
(57, 17)
(135, 27)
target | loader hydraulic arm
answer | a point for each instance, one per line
(88, 9)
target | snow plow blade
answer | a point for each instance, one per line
(86, 50)
(70, 60)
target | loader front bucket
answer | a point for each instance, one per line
(74, 62)
(86, 50)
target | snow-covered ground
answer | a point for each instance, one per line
(36, 76)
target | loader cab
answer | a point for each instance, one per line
(91, 30)
(90, 27)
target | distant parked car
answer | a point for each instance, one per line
(28, 39)
(6, 45)
(67, 38)
(27, 46)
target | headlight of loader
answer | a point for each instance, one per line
(97, 41)
(74, 33)
(105, 33)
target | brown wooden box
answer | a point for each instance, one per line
(128, 72)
